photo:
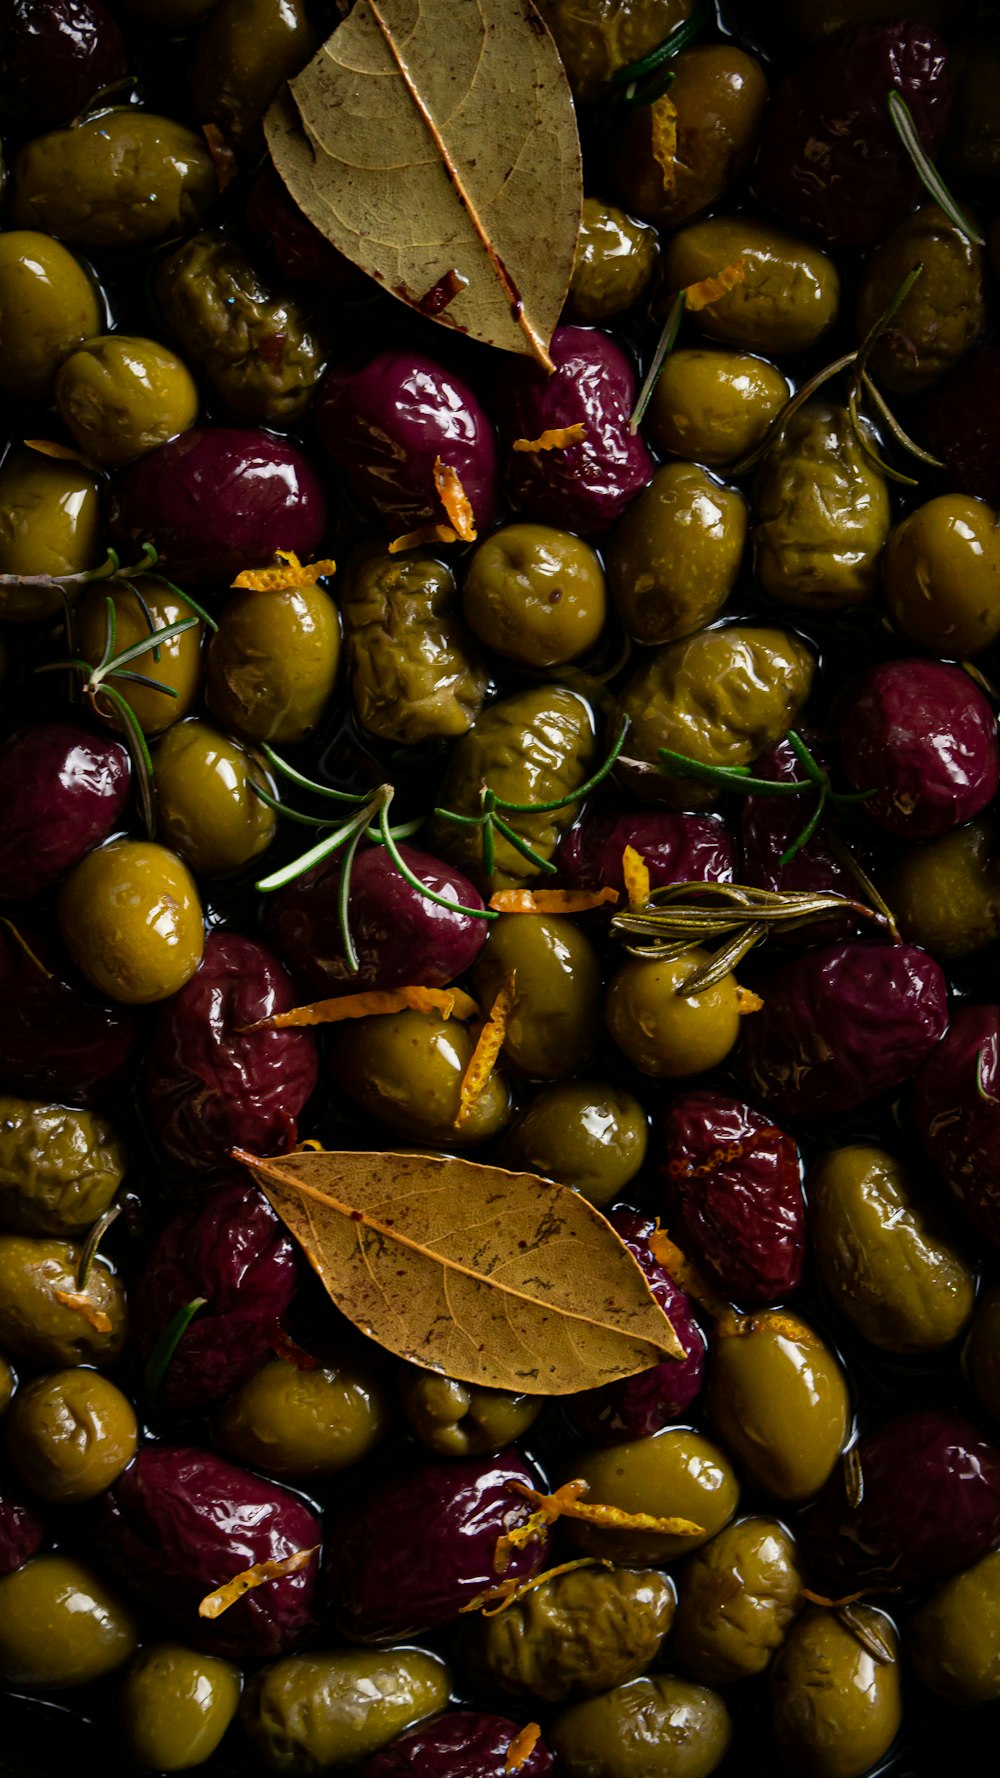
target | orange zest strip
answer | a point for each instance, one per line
(555, 438)
(836, 1604)
(636, 873)
(290, 1352)
(685, 1273)
(747, 1002)
(423, 534)
(711, 290)
(451, 1003)
(455, 500)
(283, 580)
(550, 901)
(783, 1327)
(522, 1747)
(223, 155)
(567, 1503)
(82, 1305)
(46, 447)
(507, 1592)
(663, 140)
(214, 1604)
(489, 1043)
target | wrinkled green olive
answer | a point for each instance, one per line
(615, 261)
(59, 1167)
(577, 1634)
(416, 673)
(120, 396)
(322, 1712)
(735, 1600)
(658, 1727)
(820, 514)
(70, 1435)
(944, 313)
(43, 1316)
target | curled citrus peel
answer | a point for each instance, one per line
(455, 501)
(488, 1045)
(290, 1352)
(636, 873)
(450, 1003)
(663, 141)
(82, 1305)
(492, 1600)
(567, 1503)
(283, 580)
(685, 1274)
(550, 901)
(554, 438)
(214, 1604)
(424, 534)
(784, 1327)
(712, 290)
(522, 1747)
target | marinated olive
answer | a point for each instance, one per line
(59, 1167)
(206, 809)
(735, 1600)
(49, 524)
(119, 179)
(674, 557)
(55, 56)
(577, 1634)
(658, 1727)
(175, 1706)
(974, 147)
(293, 1422)
(666, 1033)
(787, 298)
(324, 1712)
(45, 1317)
(714, 406)
(415, 671)
(131, 920)
(582, 1133)
(246, 51)
(179, 667)
(61, 1625)
(982, 1353)
(48, 305)
(943, 314)
(597, 41)
(954, 1107)
(272, 665)
(70, 1435)
(62, 790)
(959, 422)
(406, 1069)
(946, 894)
(615, 261)
(923, 737)
(120, 396)
(57, 1040)
(835, 1705)
(172, 15)
(955, 1636)
(462, 1419)
(777, 1398)
(941, 572)
(715, 107)
(554, 1023)
(674, 1474)
(460, 1742)
(674, 849)
(535, 595)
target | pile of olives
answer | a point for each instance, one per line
(772, 603)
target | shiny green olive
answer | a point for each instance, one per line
(941, 317)
(778, 1400)
(48, 304)
(835, 1707)
(598, 40)
(577, 1634)
(789, 293)
(118, 179)
(175, 1706)
(61, 1625)
(659, 1727)
(37, 1322)
(735, 1600)
(131, 920)
(298, 1423)
(821, 514)
(714, 110)
(416, 673)
(664, 1033)
(50, 523)
(205, 807)
(8, 1383)
(675, 1474)
(272, 665)
(946, 893)
(322, 1712)
(581, 1133)
(70, 1435)
(60, 1167)
(463, 1419)
(955, 1636)
(178, 669)
(615, 260)
(886, 1258)
(982, 1352)
(941, 573)
(553, 1027)
(535, 595)
(406, 1070)
(120, 396)
(714, 406)
(674, 556)
(245, 52)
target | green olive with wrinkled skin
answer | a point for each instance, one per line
(789, 293)
(597, 40)
(666, 1034)
(945, 893)
(886, 1258)
(835, 1709)
(322, 1712)
(535, 595)
(120, 396)
(271, 667)
(205, 808)
(60, 1167)
(130, 918)
(981, 1356)
(674, 1474)
(246, 51)
(714, 406)
(716, 107)
(674, 556)
(778, 1400)
(658, 1727)
(735, 1600)
(582, 1133)
(577, 1634)
(416, 672)
(821, 514)
(940, 318)
(554, 1024)
(61, 1625)
(8, 1383)
(70, 1435)
(174, 1706)
(298, 1423)
(406, 1070)
(616, 257)
(50, 523)
(48, 304)
(120, 179)
(955, 1636)
(179, 665)
(35, 1325)
(463, 1419)
(941, 573)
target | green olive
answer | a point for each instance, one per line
(662, 1032)
(820, 514)
(322, 1712)
(48, 304)
(50, 523)
(59, 1167)
(416, 673)
(272, 666)
(714, 406)
(581, 1133)
(553, 1027)
(944, 313)
(298, 1423)
(70, 1435)
(982, 1352)
(8, 1383)
(955, 1636)
(675, 1474)
(946, 893)
(206, 809)
(535, 595)
(463, 1419)
(674, 556)
(615, 260)
(178, 669)
(735, 1600)
(120, 396)
(577, 1634)
(778, 1400)
(405, 1069)
(118, 179)
(788, 295)
(941, 571)
(247, 50)
(131, 920)
(659, 1727)
(36, 1320)
(599, 39)
(715, 106)
(835, 1707)
(175, 1706)
(61, 1625)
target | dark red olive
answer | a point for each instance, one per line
(304, 256)
(831, 162)
(233, 1252)
(637, 1406)
(423, 1544)
(211, 1083)
(459, 1744)
(961, 422)
(956, 1108)
(220, 499)
(55, 56)
(675, 848)
(22, 1529)
(924, 737)
(179, 1523)
(587, 485)
(57, 1040)
(769, 826)
(841, 1024)
(62, 791)
(400, 937)
(733, 1196)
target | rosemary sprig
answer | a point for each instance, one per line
(630, 78)
(109, 569)
(161, 1357)
(930, 178)
(664, 345)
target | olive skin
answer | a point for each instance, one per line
(35, 1325)
(244, 53)
(22, 1528)
(770, 826)
(820, 514)
(942, 316)
(294, 1423)
(941, 575)
(577, 1634)
(777, 1398)
(63, 790)
(789, 294)
(416, 673)
(405, 1070)
(582, 1133)
(121, 179)
(55, 56)
(735, 1600)
(271, 667)
(119, 396)
(535, 595)
(596, 42)
(48, 305)
(981, 1355)
(954, 1108)
(70, 1435)
(59, 1167)
(324, 1712)
(674, 1474)
(455, 1744)
(554, 1024)
(616, 258)
(714, 406)
(674, 557)
(954, 1636)
(61, 1625)
(206, 810)
(50, 523)
(174, 1706)
(462, 1419)
(57, 1040)
(946, 894)
(674, 849)
(716, 105)
(130, 918)
(835, 1709)
(178, 669)
(666, 1034)
(658, 1727)
(886, 1258)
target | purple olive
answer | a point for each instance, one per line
(62, 791)
(676, 849)
(831, 162)
(586, 486)
(924, 737)
(180, 1522)
(423, 1544)
(386, 424)
(304, 256)
(57, 1040)
(930, 1505)
(215, 501)
(459, 1744)
(769, 825)
(233, 1252)
(733, 1196)
(211, 1083)
(961, 422)
(843, 1023)
(400, 937)
(22, 1529)
(956, 1108)
(55, 57)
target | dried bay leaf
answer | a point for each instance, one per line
(496, 1278)
(434, 142)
